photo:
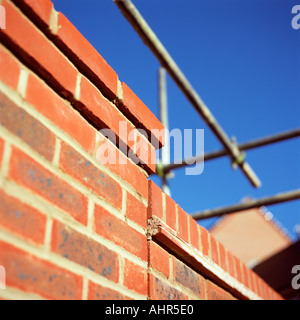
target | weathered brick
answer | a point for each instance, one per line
(22, 219)
(25, 171)
(98, 292)
(65, 117)
(216, 293)
(116, 230)
(188, 278)
(54, 65)
(10, 69)
(183, 230)
(160, 290)
(135, 277)
(134, 108)
(83, 170)
(159, 259)
(27, 128)
(83, 54)
(170, 212)
(80, 249)
(155, 201)
(34, 275)
(136, 211)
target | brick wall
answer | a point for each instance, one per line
(71, 225)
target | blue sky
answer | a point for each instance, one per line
(242, 57)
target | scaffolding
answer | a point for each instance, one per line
(230, 147)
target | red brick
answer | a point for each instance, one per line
(22, 219)
(83, 170)
(54, 108)
(194, 234)
(188, 278)
(214, 250)
(216, 293)
(135, 278)
(252, 276)
(136, 211)
(204, 236)
(136, 109)
(245, 275)
(25, 171)
(155, 201)
(170, 212)
(230, 260)
(80, 249)
(103, 113)
(145, 153)
(159, 259)
(223, 259)
(116, 230)
(42, 9)
(31, 274)
(83, 52)
(24, 34)
(98, 292)
(129, 172)
(27, 128)
(10, 69)
(238, 269)
(1, 151)
(160, 290)
(183, 230)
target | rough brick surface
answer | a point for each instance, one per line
(171, 219)
(10, 69)
(22, 219)
(27, 128)
(32, 175)
(188, 278)
(136, 109)
(1, 151)
(136, 211)
(31, 274)
(214, 250)
(84, 251)
(135, 277)
(216, 293)
(82, 169)
(52, 107)
(160, 290)
(183, 230)
(98, 292)
(155, 201)
(123, 167)
(116, 230)
(23, 34)
(159, 259)
(204, 236)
